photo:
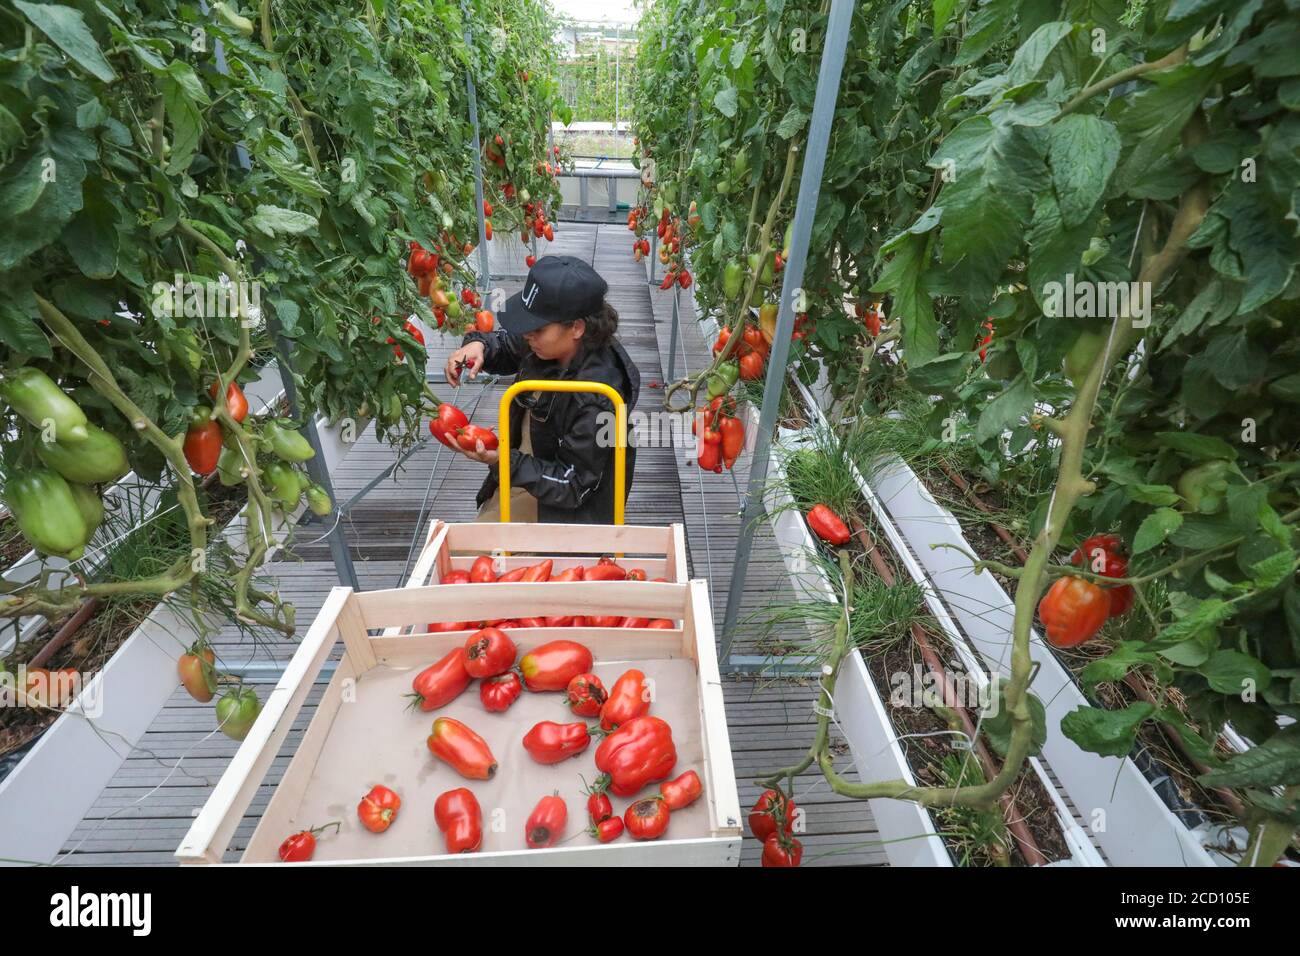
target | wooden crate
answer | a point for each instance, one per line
(362, 735)
(659, 551)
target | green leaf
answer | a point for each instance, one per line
(902, 276)
(1273, 570)
(987, 26)
(186, 124)
(1111, 733)
(1006, 410)
(1203, 532)
(66, 27)
(1197, 447)
(273, 219)
(1286, 388)
(987, 206)
(19, 328)
(1203, 615)
(1232, 672)
(726, 101)
(1125, 656)
(1152, 494)
(1155, 528)
(92, 237)
(296, 176)
(996, 725)
(1033, 53)
(1152, 119)
(942, 14)
(791, 123)
(1194, 651)
(1083, 151)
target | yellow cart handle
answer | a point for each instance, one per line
(550, 385)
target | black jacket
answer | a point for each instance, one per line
(569, 473)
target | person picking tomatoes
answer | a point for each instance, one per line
(561, 449)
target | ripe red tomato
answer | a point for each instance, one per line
(585, 695)
(489, 652)
(599, 807)
(467, 753)
(498, 693)
(298, 848)
(196, 672)
(378, 808)
(683, 791)
(647, 819)
(236, 403)
(603, 620)
(751, 366)
(483, 320)
(469, 437)
(778, 852)
(203, 447)
(460, 819)
(569, 574)
(771, 808)
(441, 683)
(549, 742)
(538, 573)
(482, 572)
(1102, 554)
(553, 665)
(530, 261)
(605, 572)
(1073, 611)
(607, 830)
(629, 698)
(662, 624)
(635, 622)
(546, 823)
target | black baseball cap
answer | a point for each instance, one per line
(558, 289)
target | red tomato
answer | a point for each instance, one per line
(599, 807)
(378, 808)
(484, 320)
(482, 571)
(489, 652)
(1073, 611)
(585, 695)
(444, 627)
(460, 819)
(236, 403)
(751, 366)
(635, 622)
(569, 574)
(605, 572)
(511, 576)
(546, 823)
(466, 752)
(683, 791)
(441, 683)
(549, 742)
(778, 852)
(639, 753)
(560, 621)
(662, 623)
(771, 808)
(553, 665)
(469, 437)
(456, 576)
(498, 693)
(532, 622)
(298, 848)
(629, 698)
(607, 830)
(202, 447)
(539, 572)
(636, 574)
(647, 819)
(603, 621)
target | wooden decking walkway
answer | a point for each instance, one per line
(145, 810)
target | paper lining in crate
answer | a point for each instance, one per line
(362, 734)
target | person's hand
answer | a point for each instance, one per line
(480, 454)
(471, 356)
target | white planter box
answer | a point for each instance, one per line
(1134, 827)
(864, 708)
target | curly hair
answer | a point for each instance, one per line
(600, 326)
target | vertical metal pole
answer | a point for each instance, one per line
(819, 131)
(316, 467)
(672, 342)
(484, 269)
(617, 50)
